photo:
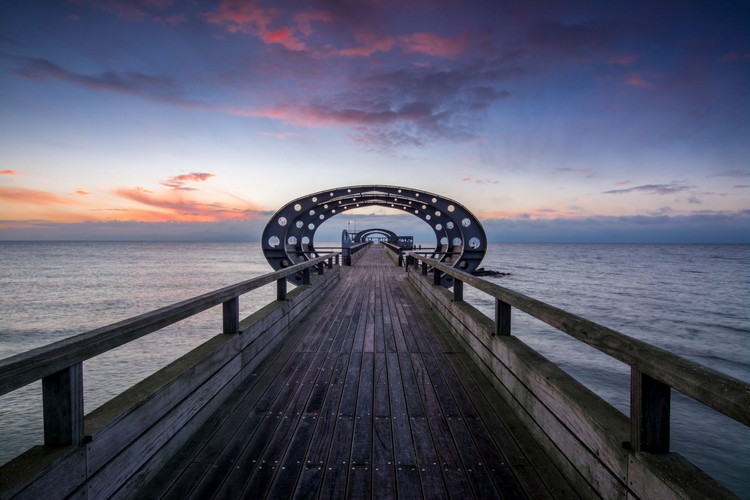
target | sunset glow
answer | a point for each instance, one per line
(215, 114)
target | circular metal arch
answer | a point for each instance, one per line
(361, 236)
(288, 238)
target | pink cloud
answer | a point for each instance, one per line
(176, 206)
(245, 17)
(8, 172)
(636, 80)
(370, 43)
(81, 192)
(32, 196)
(433, 45)
(178, 182)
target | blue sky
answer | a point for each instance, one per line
(551, 121)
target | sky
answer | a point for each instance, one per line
(550, 120)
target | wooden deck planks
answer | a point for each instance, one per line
(367, 399)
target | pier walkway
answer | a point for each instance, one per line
(368, 397)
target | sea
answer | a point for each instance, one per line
(693, 300)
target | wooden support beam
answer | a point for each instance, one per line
(231, 309)
(502, 318)
(424, 268)
(321, 268)
(62, 401)
(306, 276)
(650, 402)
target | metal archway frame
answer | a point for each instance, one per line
(288, 237)
(360, 236)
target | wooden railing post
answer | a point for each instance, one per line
(502, 318)
(306, 276)
(321, 268)
(330, 262)
(436, 275)
(281, 289)
(424, 268)
(62, 401)
(458, 290)
(650, 402)
(231, 310)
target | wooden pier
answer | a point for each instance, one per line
(368, 397)
(366, 381)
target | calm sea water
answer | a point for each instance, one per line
(690, 299)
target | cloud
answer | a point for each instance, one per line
(233, 230)
(32, 196)
(474, 180)
(178, 182)
(636, 80)
(81, 192)
(161, 88)
(583, 172)
(137, 10)
(174, 205)
(237, 16)
(623, 59)
(305, 20)
(8, 172)
(660, 189)
(434, 45)
(729, 227)
(370, 43)
(411, 106)
(732, 172)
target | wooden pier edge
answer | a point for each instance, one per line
(129, 438)
(583, 435)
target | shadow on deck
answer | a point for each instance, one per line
(368, 397)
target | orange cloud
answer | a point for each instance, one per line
(32, 196)
(81, 192)
(176, 206)
(8, 172)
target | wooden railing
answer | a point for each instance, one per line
(348, 254)
(60, 365)
(654, 371)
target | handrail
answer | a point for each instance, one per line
(25, 368)
(714, 389)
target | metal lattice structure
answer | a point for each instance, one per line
(362, 236)
(288, 238)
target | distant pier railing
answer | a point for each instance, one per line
(592, 440)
